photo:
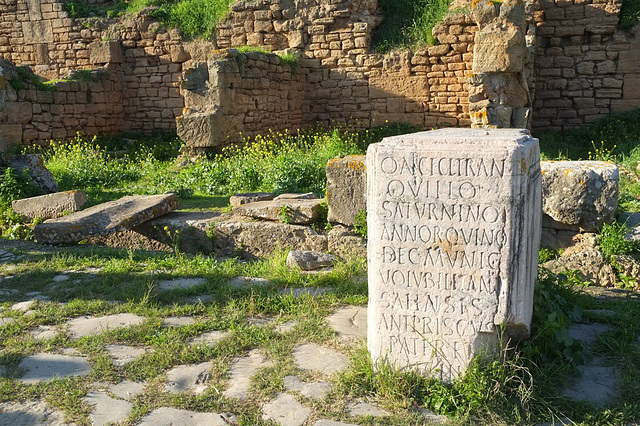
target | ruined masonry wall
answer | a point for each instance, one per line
(585, 67)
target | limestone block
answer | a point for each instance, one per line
(346, 188)
(308, 260)
(37, 32)
(250, 197)
(580, 195)
(257, 239)
(104, 219)
(49, 206)
(207, 129)
(344, 243)
(103, 52)
(499, 48)
(296, 211)
(454, 231)
(40, 175)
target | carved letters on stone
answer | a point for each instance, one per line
(454, 230)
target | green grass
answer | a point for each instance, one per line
(629, 14)
(408, 23)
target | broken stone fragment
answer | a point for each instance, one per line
(49, 206)
(250, 197)
(40, 175)
(346, 188)
(309, 260)
(296, 211)
(107, 218)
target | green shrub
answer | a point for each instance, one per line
(16, 184)
(612, 241)
(629, 14)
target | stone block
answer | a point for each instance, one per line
(37, 32)
(103, 52)
(346, 188)
(49, 206)
(454, 231)
(296, 211)
(207, 129)
(580, 195)
(499, 48)
(10, 134)
(40, 175)
(104, 219)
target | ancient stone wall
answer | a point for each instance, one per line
(585, 67)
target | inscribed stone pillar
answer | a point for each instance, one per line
(454, 230)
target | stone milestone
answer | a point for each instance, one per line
(454, 229)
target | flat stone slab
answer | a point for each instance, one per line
(324, 422)
(30, 413)
(209, 338)
(192, 378)
(587, 333)
(6, 321)
(126, 389)
(49, 206)
(104, 219)
(250, 197)
(288, 210)
(346, 188)
(305, 291)
(365, 409)
(286, 411)
(105, 409)
(309, 260)
(598, 384)
(319, 359)
(87, 326)
(286, 327)
(316, 390)
(42, 332)
(178, 321)
(24, 306)
(44, 367)
(350, 322)
(165, 416)
(183, 283)
(124, 354)
(241, 372)
(246, 282)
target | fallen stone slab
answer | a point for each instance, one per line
(166, 416)
(87, 326)
(30, 413)
(49, 206)
(192, 378)
(365, 409)
(286, 411)
(124, 354)
(24, 306)
(580, 195)
(40, 175)
(346, 188)
(295, 196)
(317, 390)
(127, 389)
(241, 372)
(319, 359)
(42, 332)
(254, 240)
(106, 218)
(309, 260)
(183, 283)
(287, 210)
(44, 367)
(209, 338)
(350, 322)
(597, 384)
(105, 409)
(250, 197)
(305, 291)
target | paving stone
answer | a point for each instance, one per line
(165, 416)
(178, 321)
(6, 321)
(319, 359)
(316, 390)
(303, 291)
(60, 278)
(44, 367)
(205, 298)
(286, 410)
(29, 413)
(127, 389)
(259, 322)
(105, 409)
(209, 338)
(191, 378)
(587, 333)
(87, 326)
(431, 417)
(286, 326)
(332, 423)
(44, 332)
(598, 384)
(241, 372)
(308, 260)
(350, 322)
(124, 354)
(246, 282)
(24, 306)
(365, 409)
(180, 283)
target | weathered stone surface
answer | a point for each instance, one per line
(346, 188)
(87, 326)
(49, 206)
(319, 359)
(579, 194)
(45, 367)
(250, 197)
(286, 411)
(182, 283)
(124, 354)
(241, 372)
(105, 409)
(207, 129)
(454, 230)
(29, 413)
(166, 416)
(104, 52)
(296, 196)
(41, 176)
(590, 264)
(499, 48)
(316, 390)
(309, 260)
(106, 218)
(344, 243)
(365, 409)
(192, 378)
(258, 239)
(350, 322)
(295, 211)
(598, 383)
